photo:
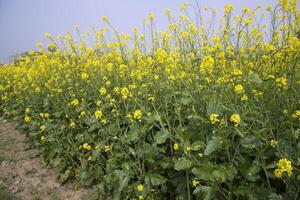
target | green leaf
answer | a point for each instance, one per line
(156, 179)
(206, 192)
(224, 173)
(186, 100)
(161, 136)
(131, 150)
(120, 181)
(63, 177)
(133, 134)
(214, 144)
(250, 172)
(182, 164)
(204, 172)
(93, 127)
(274, 196)
(254, 78)
(86, 178)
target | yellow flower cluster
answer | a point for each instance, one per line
(98, 114)
(86, 146)
(138, 115)
(102, 91)
(236, 119)
(43, 128)
(139, 187)
(176, 146)
(26, 119)
(239, 89)
(214, 118)
(296, 114)
(283, 165)
(44, 115)
(281, 82)
(75, 102)
(106, 148)
(72, 124)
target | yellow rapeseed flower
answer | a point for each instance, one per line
(105, 18)
(47, 35)
(102, 91)
(141, 197)
(43, 138)
(236, 119)
(214, 118)
(283, 165)
(195, 182)
(137, 115)
(273, 143)
(98, 114)
(176, 146)
(239, 89)
(43, 127)
(106, 148)
(228, 8)
(296, 114)
(281, 82)
(140, 187)
(151, 16)
(72, 124)
(86, 146)
(27, 119)
(84, 76)
(75, 102)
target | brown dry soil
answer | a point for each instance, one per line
(22, 175)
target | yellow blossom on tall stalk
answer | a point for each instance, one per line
(228, 8)
(105, 18)
(47, 35)
(207, 64)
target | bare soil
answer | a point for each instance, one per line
(22, 175)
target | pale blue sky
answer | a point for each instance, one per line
(23, 23)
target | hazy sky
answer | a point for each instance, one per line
(23, 23)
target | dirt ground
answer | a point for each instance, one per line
(22, 175)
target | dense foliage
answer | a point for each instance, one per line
(194, 114)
